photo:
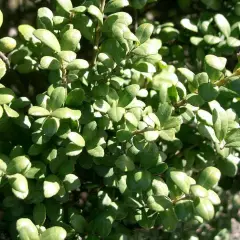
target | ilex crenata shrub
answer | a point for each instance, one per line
(136, 136)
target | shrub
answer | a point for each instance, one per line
(136, 136)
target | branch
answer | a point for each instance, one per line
(98, 34)
(143, 131)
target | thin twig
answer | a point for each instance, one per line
(143, 131)
(98, 34)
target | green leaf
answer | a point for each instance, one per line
(204, 208)
(51, 126)
(37, 170)
(19, 185)
(48, 38)
(26, 31)
(26, 229)
(38, 111)
(165, 78)
(213, 197)
(54, 233)
(73, 149)
(159, 203)
(169, 220)
(94, 11)
(10, 112)
(233, 42)
(207, 132)
(125, 163)
(20, 164)
(208, 92)
(195, 100)
(78, 64)
(198, 191)
(139, 180)
(7, 44)
(96, 151)
(66, 113)
(51, 186)
(205, 117)
(1, 18)
(3, 69)
(209, 177)
(39, 214)
(228, 166)
(115, 5)
(78, 223)
(128, 94)
(66, 5)
(75, 97)
(222, 24)
(76, 138)
(211, 40)
(144, 32)
(184, 210)
(116, 113)
(101, 106)
(70, 40)
(186, 23)
(181, 180)
(6, 95)
(49, 63)
(233, 138)
(71, 182)
(57, 98)
(149, 47)
(220, 123)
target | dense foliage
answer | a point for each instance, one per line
(136, 126)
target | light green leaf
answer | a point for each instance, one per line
(94, 11)
(76, 138)
(1, 18)
(181, 180)
(54, 233)
(213, 197)
(26, 31)
(78, 64)
(209, 177)
(6, 95)
(186, 23)
(211, 40)
(7, 44)
(48, 38)
(144, 32)
(51, 186)
(26, 229)
(115, 5)
(198, 191)
(222, 24)
(204, 208)
(3, 69)
(49, 63)
(70, 40)
(149, 47)
(116, 113)
(37, 111)
(19, 185)
(66, 5)
(66, 113)
(97, 151)
(10, 112)
(20, 164)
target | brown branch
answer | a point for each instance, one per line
(143, 131)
